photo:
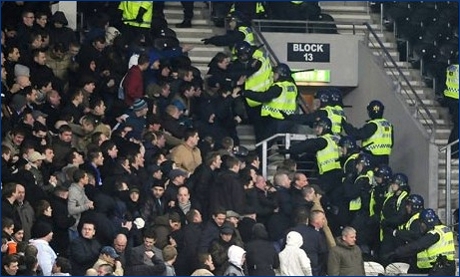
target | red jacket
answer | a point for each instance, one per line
(133, 85)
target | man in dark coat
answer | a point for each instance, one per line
(62, 221)
(211, 230)
(261, 256)
(203, 176)
(316, 246)
(187, 259)
(228, 190)
(84, 250)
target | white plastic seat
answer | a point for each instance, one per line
(373, 268)
(395, 269)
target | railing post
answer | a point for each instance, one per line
(448, 186)
(381, 17)
(264, 159)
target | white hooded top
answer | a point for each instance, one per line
(293, 260)
(235, 255)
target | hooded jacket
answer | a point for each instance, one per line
(235, 258)
(293, 260)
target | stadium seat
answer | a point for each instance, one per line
(395, 269)
(373, 269)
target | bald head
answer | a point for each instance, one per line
(119, 243)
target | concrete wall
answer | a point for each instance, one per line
(343, 51)
(412, 150)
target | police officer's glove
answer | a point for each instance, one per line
(206, 41)
(140, 15)
(285, 115)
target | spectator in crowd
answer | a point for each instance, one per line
(61, 267)
(109, 256)
(345, 258)
(62, 221)
(293, 260)
(206, 265)
(10, 265)
(25, 212)
(236, 260)
(170, 256)
(261, 255)
(187, 156)
(84, 250)
(46, 255)
(147, 253)
(212, 229)
(78, 202)
(187, 248)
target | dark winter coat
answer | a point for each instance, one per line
(261, 256)
(83, 254)
(62, 221)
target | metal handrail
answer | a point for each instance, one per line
(448, 149)
(288, 137)
(419, 105)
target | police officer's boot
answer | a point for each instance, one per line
(187, 23)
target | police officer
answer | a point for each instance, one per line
(349, 151)
(376, 135)
(137, 19)
(249, 9)
(451, 100)
(240, 30)
(435, 249)
(410, 230)
(379, 191)
(255, 65)
(279, 99)
(359, 194)
(393, 213)
(325, 107)
(327, 156)
(188, 14)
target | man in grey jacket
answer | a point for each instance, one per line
(78, 202)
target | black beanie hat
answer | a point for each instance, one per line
(41, 229)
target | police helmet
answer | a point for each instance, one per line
(240, 18)
(348, 142)
(429, 217)
(336, 96)
(416, 201)
(383, 171)
(283, 70)
(325, 123)
(323, 96)
(363, 158)
(375, 109)
(243, 50)
(401, 180)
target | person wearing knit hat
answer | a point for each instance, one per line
(43, 234)
(139, 105)
(136, 117)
